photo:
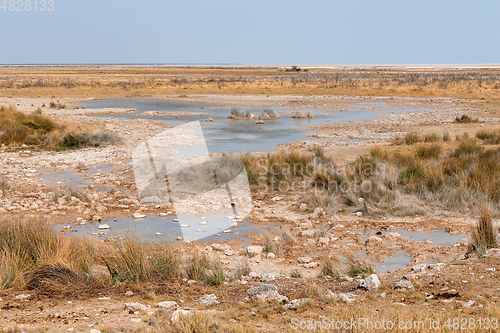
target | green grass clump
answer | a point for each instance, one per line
(296, 274)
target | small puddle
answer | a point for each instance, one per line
(437, 237)
(399, 260)
(74, 178)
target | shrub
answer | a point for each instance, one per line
(465, 119)
(89, 139)
(57, 106)
(269, 115)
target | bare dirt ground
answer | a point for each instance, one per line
(446, 284)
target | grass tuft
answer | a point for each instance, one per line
(484, 236)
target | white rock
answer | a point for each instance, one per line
(136, 307)
(184, 225)
(203, 223)
(254, 250)
(305, 260)
(103, 226)
(371, 283)
(167, 305)
(163, 214)
(96, 218)
(266, 277)
(139, 216)
(303, 207)
(207, 300)
(404, 285)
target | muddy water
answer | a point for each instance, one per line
(74, 178)
(399, 260)
(149, 227)
(438, 237)
(225, 135)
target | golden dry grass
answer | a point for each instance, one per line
(129, 81)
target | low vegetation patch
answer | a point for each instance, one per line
(484, 236)
(37, 129)
(465, 119)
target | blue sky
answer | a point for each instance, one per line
(254, 32)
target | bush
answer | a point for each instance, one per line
(465, 119)
(57, 106)
(90, 139)
(269, 115)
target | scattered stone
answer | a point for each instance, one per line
(323, 241)
(294, 304)
(139, 216)
(176, 220)
(234, 225)
(254, 250)
(359, 214)
(392, 235)
(259, 122)
(404, 285)
(209, 119)
(207, 300)
(305, 260)
(94, 331)
(178, 313)
(22, 297)
(266, 277)
(136, 307)
(318, 211)
(469, 304)
(310, 265)
(103, 226)
(266, 292)
(303, 207)
(348, 297)
(96, 218)
(490, 269)
(105, 298)
(371, 283)
(163, 214)
(167, 305)
(129, 293)
(271, 255)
